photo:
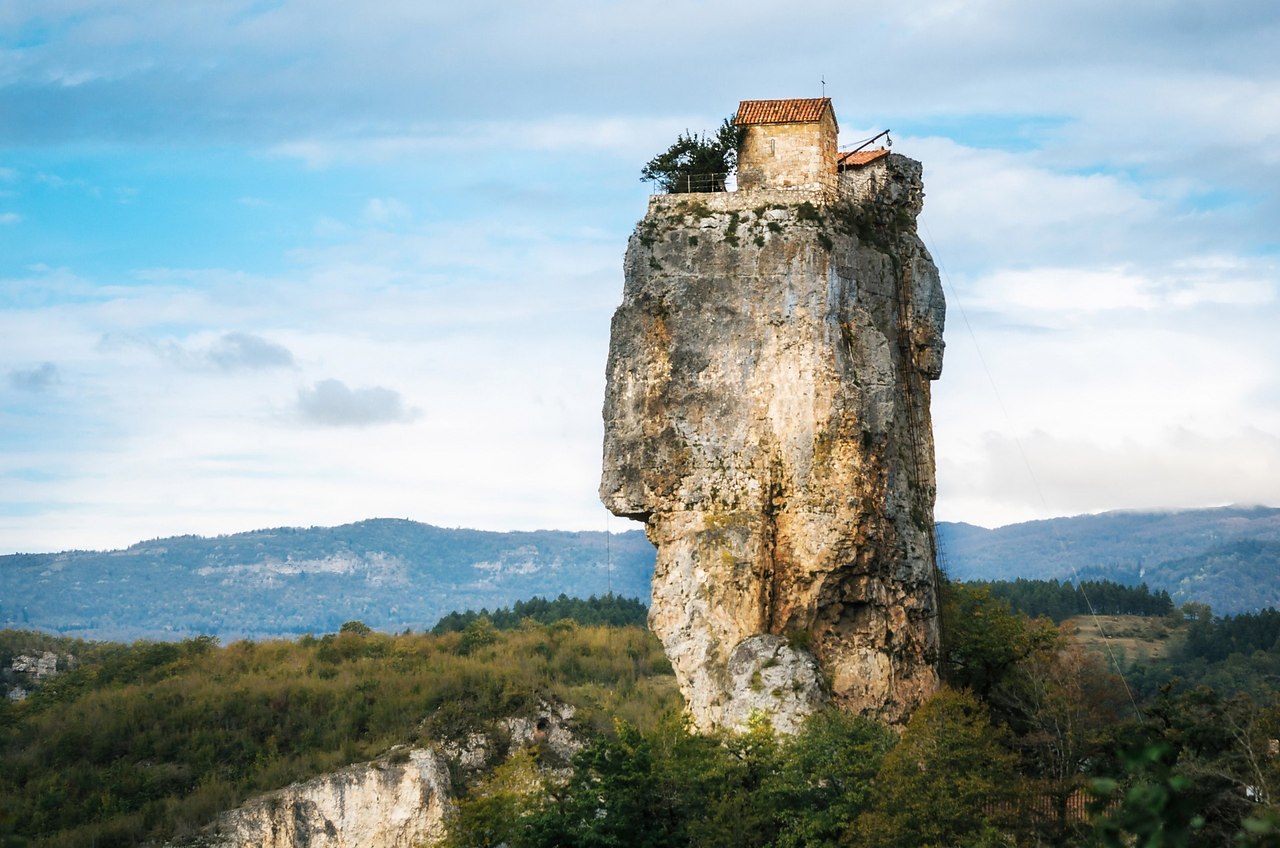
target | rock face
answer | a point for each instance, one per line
(767, 417)
(29, 671)
(37, 667)
(400, 801)
(372, 805)
(550, 727)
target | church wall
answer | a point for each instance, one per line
(784, 156)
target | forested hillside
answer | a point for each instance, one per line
(1033, 742)
(152, 739)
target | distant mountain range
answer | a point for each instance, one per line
(394, 574)
(389, 573)
(1228, 557)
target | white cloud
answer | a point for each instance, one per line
(1034, 291)
(9, 218)
(381, 211)
(37, 379)
(332, 404)
(225, 352)
(1039, 475)
(622, 137)
(235, 351)
(991, 207)
(1224, 280)
(1056, 295)
(56, 182)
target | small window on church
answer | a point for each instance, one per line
(773, 150)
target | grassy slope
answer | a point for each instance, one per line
(1131, 638)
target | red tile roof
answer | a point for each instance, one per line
(858, 158)
(794, 111)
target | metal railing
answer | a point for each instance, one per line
(693, 183)
(828, 185)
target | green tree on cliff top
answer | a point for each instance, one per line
(696, 162)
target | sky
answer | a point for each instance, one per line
(304, 263)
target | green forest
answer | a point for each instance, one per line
(609, 609)
(1062, 600)
(1034, 739)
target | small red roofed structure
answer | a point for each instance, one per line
(787, 144)
(858, 158)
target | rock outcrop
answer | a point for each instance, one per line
(767, 417)
(26, 672)
(550, 728)
(400, 802)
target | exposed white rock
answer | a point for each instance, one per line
(36, 667)
(382, 804)
(771, 678)
(548, 726)
(400, 801)
(30, 671)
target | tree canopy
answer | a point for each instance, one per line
(696, 162)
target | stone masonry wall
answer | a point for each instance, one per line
(799, 155)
